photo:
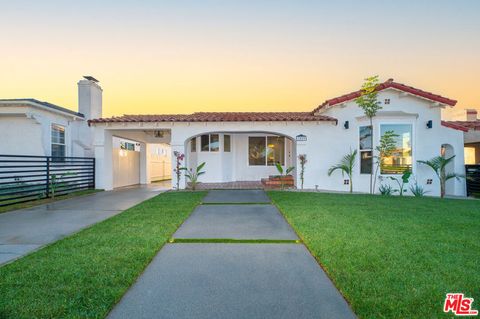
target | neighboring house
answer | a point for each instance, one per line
(244, 146)
(33, 127)
(471, 123)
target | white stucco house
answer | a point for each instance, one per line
(239, 146)
(32, 127)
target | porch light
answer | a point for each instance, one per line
(346, 125)
(430, 124)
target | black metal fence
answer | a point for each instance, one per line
(473, 179)
(26, 178)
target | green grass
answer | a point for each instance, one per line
(232, 241)
(36, 202)
(232, 203)
(86, 274)
(391, 257)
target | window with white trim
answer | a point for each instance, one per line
(210, 143)
(266, 150)
(401, 158)
(226, 143)
(193, 145)
(58, 146)
(365, 139)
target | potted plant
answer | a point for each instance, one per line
(284, 178)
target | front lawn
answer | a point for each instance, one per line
(391, 257)
(86, 274)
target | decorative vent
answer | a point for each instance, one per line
(346, 182)
(387, 101)
(429, 181)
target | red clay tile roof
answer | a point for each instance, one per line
(219, 117)
(464, 125)
(385, 85)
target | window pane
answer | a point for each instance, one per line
(58, 150)
(214, 142)
(58, 134)
(226, 143)
(365, 137)
(204, 141)
(256, 150)
(193, 144)
(401, 159)
(275, 150)
(366, 162)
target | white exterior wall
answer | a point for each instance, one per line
(27, 131)
(426, 143)
(326, 144)
(224, 166)
(26, 125)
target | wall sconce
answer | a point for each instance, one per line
(346, 125)
(429, 124)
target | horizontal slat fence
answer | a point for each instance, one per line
(473, 179)
(25, 178)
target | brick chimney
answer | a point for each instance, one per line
(472, 114)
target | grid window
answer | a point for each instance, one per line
(366, 150)
(58, 141)
(210, 143)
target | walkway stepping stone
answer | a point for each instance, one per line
(236, 222)
(233, 281)
(237, 196)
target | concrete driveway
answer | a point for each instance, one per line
(22, 231)
(233, 280)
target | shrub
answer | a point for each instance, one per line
(386, 190)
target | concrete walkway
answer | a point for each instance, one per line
(232, 280)
(22, 231)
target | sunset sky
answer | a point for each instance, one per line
(263, 55)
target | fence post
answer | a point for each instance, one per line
(94, 173)
(47, 184)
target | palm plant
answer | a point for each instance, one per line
(346, 166)
(281, 171)
(439, 164)
(193, 174)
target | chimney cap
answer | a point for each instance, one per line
(90, 78)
